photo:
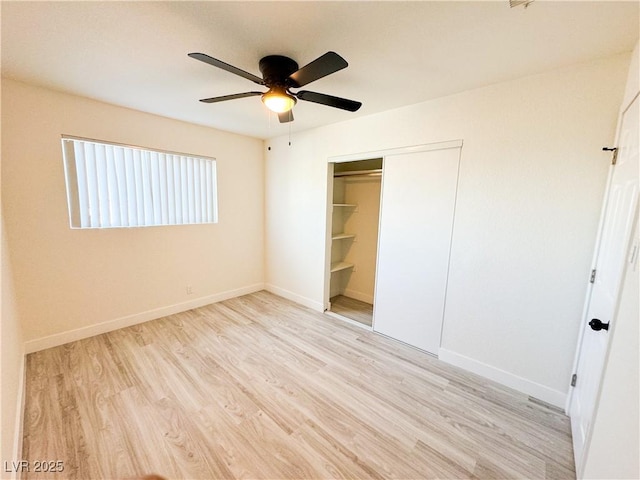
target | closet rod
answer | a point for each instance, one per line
(369, 173)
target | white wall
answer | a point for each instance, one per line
(632, 86)
(74, 283)
(532, 177)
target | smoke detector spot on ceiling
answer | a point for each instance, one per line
(517, 3)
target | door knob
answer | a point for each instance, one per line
(597, 325)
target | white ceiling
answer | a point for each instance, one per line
(134, 54)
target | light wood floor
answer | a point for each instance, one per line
(353, 309)
(259, 387)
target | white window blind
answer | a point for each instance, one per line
(111, 185)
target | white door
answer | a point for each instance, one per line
(416, 219)
(616, 232)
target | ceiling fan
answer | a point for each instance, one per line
(280, 74)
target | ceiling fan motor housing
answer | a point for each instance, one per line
(276, 68)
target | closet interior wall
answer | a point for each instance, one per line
(356, 213)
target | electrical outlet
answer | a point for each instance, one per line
(189, 290)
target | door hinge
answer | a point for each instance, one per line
(592, 279)
(574, 379)
(614, 159)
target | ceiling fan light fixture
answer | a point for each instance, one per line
(278, 100)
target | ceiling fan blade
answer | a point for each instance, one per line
(225, 66)
(322, 66)
(230, 97)
(323, 99)
(286, 117)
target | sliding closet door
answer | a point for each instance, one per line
(416, 219)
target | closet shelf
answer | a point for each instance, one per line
(352, 205)
(336, 267)
(342, 236)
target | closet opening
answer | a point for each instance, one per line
(355, 188)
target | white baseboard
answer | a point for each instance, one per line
(363, 297)
(294, 297)
(536, 390)
(122, 322)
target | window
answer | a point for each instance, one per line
(111, 185)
